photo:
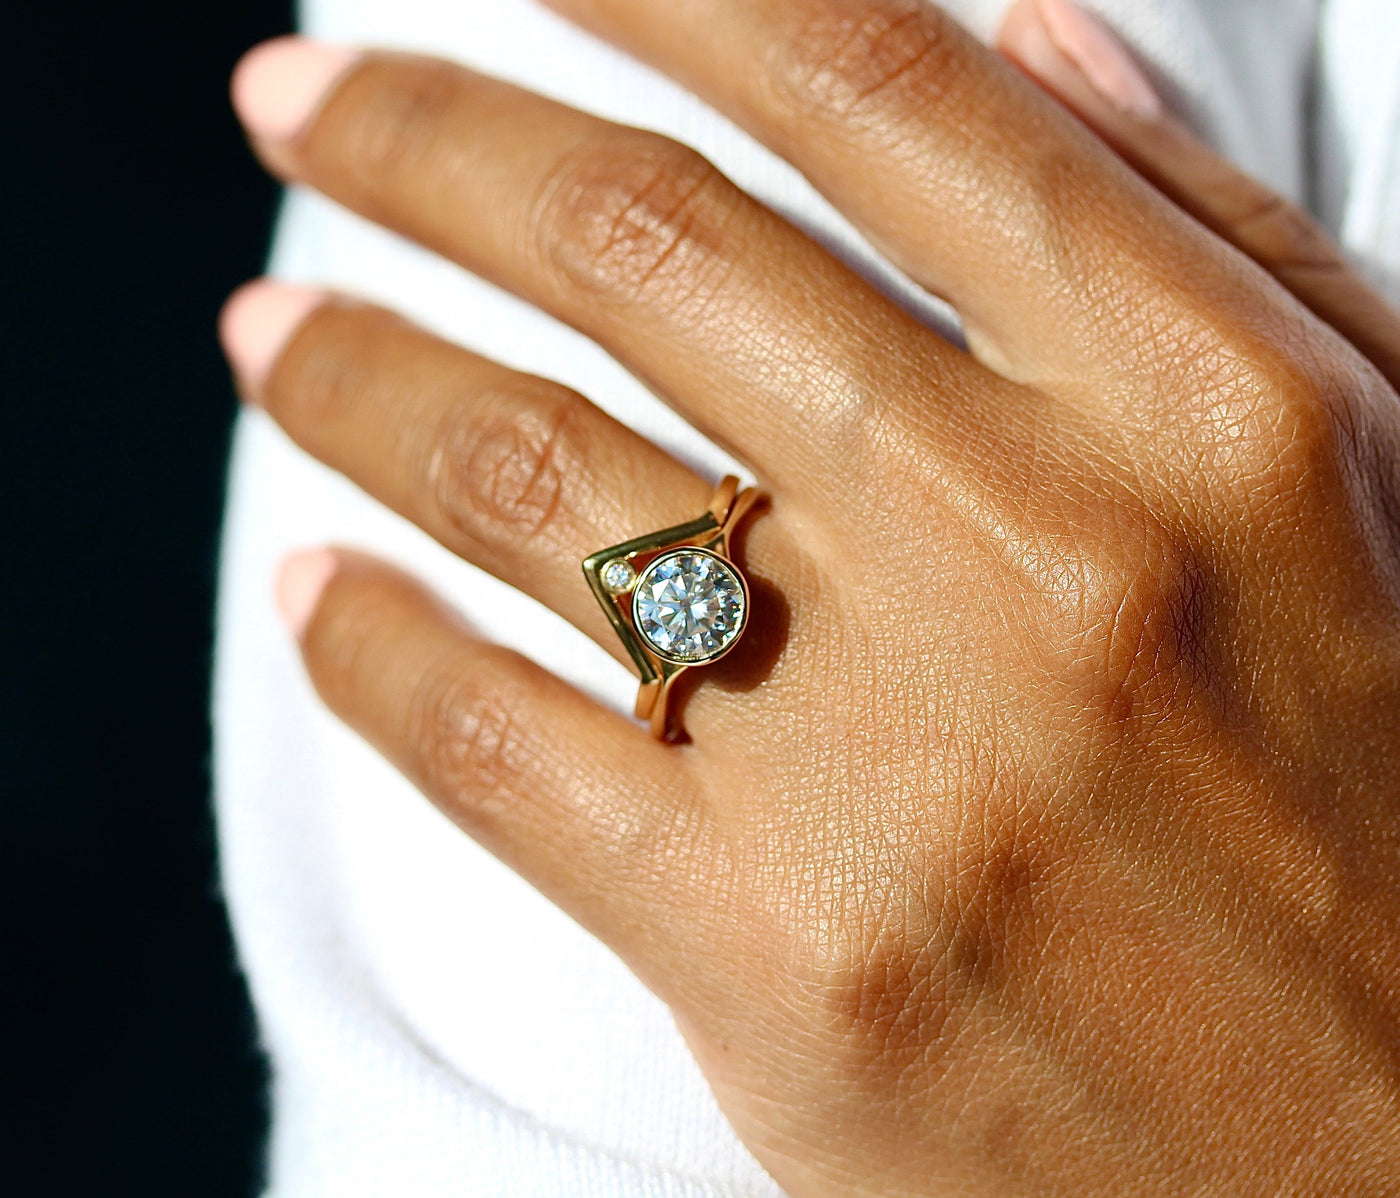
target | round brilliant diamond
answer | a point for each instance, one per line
(689, 604)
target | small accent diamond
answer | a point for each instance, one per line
(618, 576)
(690, 605)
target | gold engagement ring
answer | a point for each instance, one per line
(675, 597)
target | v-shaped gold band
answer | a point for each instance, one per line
(710, 532)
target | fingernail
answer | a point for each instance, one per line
(300, 581)
(278, 86)
(257, 322)
(1099, 56)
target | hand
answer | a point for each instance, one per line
(1041, 836)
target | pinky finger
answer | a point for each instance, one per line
(578, 800)
(1069, 53)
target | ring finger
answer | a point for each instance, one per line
(512, 472)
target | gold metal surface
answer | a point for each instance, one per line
(711, 531)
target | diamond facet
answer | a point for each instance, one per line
(689, 604)
(618, 575)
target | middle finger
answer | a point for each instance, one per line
(974, 182)
(753, 331)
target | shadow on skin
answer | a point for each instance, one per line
(763, 641)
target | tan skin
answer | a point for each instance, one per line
(1084, 880)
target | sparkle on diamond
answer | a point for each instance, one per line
(689, 604)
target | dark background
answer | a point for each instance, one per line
(130, 209)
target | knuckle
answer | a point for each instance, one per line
(403, 117)
(1278, 233)
(322, 377)
(1005, 898)
(880, 993)
(1063, 211)
(349, 639)
(643, 219)
(499, 468)
(1311, 428)
(1277, 420)
(850, 62)
(895, 978)
(1317, 421)
(469, 745)
(1142, 625)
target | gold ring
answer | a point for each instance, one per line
(675, 597)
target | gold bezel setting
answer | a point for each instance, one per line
(710, 534)
(739, 610)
